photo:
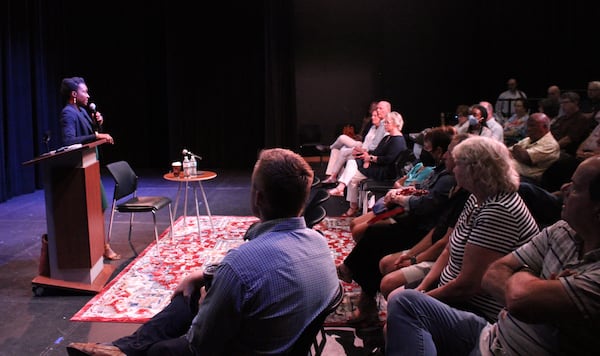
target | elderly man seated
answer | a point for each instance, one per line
(536, 152)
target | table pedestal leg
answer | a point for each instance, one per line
(206, 204)
(197, 213)
(185, 202)
(177, 200)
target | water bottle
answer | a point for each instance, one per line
(186, 166)
(193, 166)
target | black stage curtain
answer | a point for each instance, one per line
(166, 77)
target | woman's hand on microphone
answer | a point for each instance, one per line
(99, 118)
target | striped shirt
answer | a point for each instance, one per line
(502, 223)
(555, 249)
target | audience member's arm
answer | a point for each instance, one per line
(404, 259)
(521, 155)
(189, 284)
(476, 259)
(526, 296)
(435, 250)
(564, 142)
(436, 270)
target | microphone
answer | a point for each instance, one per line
(92, 107)
(46, 139)
(186, 152)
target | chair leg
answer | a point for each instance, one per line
(110, 224)
(155, 233)
(171, 234)
(364, 201)
(320, 346)
(129, 236)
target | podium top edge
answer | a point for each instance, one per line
(64, 150)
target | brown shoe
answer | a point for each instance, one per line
(110, 254)
(94, 349)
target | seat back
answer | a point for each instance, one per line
(314, 215)
(125, 179)
(317, 198)
(403, 158)
(307, 339)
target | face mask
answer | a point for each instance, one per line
(427, 158)
(473, 120)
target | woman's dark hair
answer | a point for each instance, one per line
(70, 84)
(440, 137)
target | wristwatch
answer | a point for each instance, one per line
(413, 260)
(526, 268)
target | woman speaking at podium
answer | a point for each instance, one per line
(78, 127)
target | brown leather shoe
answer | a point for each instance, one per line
(110, 254)
(94, 349)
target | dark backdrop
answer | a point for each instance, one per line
(225, 79)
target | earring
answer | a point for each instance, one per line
(74, 100)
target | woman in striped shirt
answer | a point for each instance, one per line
(494, 222)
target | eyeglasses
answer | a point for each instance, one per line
(387, 122)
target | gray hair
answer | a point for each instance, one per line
(488, 164)
(396, 118)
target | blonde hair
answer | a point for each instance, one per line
(396, 118)
(488, 164)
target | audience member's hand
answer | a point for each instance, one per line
(582, 155)
(189, 284)
(387, 199)
(402, 261)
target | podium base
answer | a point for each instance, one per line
(39, 283)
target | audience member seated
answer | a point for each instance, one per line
(362, 263)
(341, 148)
(570, 130)
(590, 146)
(550, 288)
(263, 294)
(506, 99)
(495, 221)
(477, 121)
(437, 186)
(536, 152)
(462, 115)
(376, 164)
(491, 122)
(515, 128)
(409, 267)
(550, 107)
(590, 106)
(551, 103)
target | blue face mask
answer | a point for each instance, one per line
(473, 120)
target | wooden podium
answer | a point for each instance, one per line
(74, 219)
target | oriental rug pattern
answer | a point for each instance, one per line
(144, 287)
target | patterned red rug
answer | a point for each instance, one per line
(144, 287)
